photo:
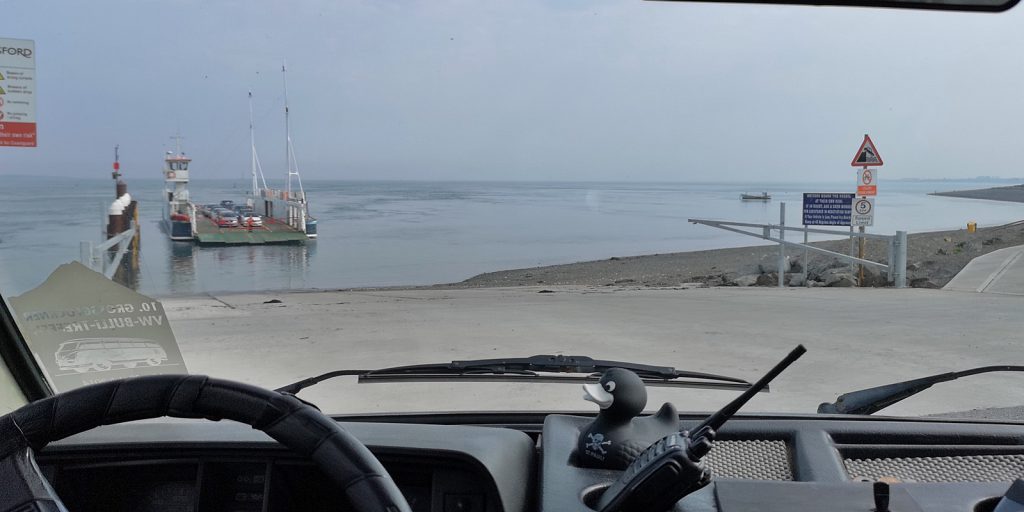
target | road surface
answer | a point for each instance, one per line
(856, 338)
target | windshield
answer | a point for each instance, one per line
(266, 192)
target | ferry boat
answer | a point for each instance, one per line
(763, 196)
(283, 214)
(179, 213)
(219, 224)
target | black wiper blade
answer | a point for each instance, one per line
(535, 369)
(872, 400)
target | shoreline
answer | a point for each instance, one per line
(933, 258)
(1012, 193)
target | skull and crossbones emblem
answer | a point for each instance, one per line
(597, 443)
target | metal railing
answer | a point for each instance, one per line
(895, 267)
(98, 257)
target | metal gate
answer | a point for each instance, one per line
(896, 267)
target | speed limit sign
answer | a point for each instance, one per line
(863, 211)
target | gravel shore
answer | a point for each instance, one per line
(1014, 193)
(933, 259)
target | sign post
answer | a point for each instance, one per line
(867, 155)
(827, 209)
(863, 212)
(867, 182)
(860, 254)
(17, 93)
(864, 207)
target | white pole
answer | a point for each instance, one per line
(85, 253)
(290, 150)
(852, 248)
(287, 131)
(255, 159)
(901, 259)
(782, 247)
(806, 262)
(891, 277)
(252, 147)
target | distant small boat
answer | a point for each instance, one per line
(763, 196)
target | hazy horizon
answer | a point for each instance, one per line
(275, 181)
(524, 90)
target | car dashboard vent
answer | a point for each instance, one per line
(754, 459)
(961, 468)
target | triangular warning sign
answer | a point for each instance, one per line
(2, 91)
(1, 76)
(867, 154)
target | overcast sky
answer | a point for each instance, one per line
(523, 89)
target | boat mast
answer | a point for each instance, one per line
(255, 158)
(293, 170)
(177, 142)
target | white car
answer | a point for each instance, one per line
(256, 220)
(226, 219)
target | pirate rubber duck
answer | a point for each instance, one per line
(617, 436)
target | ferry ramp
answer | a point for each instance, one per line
(999, 271)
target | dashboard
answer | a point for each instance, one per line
(182, 465)
(251, 484)
(526, 463)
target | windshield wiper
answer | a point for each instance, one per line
(537, 368)
(871, 400)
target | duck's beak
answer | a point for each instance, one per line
(594, 392)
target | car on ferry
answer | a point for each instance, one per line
(207, 209)
(218, 211)
(251, 219)
(226, 219)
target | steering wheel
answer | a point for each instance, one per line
(290, 421)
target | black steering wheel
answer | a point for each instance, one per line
(293, 423)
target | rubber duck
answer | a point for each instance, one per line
(617, 435)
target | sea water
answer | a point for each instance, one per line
(417, 233)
